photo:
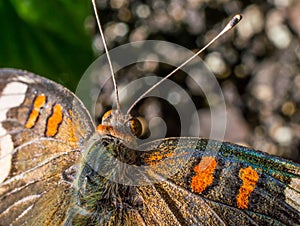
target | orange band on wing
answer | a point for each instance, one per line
(204, 174)
(54, 121)
(38, 103)
(249, 177)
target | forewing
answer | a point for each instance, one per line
(43, 127)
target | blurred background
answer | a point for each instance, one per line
(257, 64)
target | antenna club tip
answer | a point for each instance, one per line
(235, 20)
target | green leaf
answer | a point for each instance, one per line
(46, 37)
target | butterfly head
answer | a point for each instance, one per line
(124, 127)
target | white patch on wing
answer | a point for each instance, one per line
(292, 193)
(12, 96)
(6, 148)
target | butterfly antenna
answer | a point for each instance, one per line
(234, 21)
(108, 56)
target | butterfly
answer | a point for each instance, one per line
(59, 168)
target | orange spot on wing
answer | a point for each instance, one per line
(54, 121)
(38, 103)
(249, 177)
(204, 174)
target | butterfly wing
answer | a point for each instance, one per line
(43, 127)
(214, 183)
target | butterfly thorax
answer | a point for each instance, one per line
(104, 184)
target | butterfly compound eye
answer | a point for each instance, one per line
(107, 116)
(136, 127)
